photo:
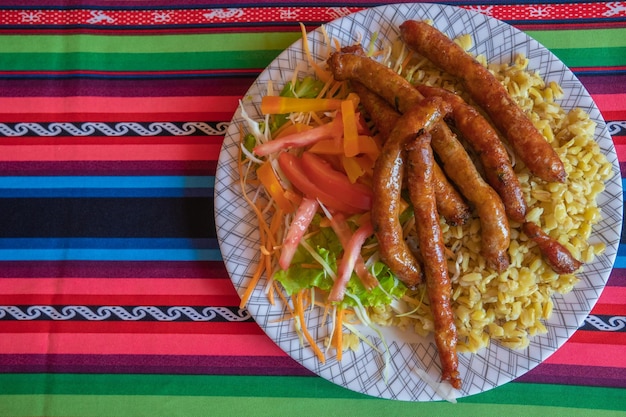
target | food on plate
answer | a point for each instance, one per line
(323, 171)
(457, 164)
(420, 163)
(387, 183)
(488, 92)
(486, 143)
(554, 253)
(450, 204)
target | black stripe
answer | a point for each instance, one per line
(190, 217)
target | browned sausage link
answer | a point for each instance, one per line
(387, 184)
(420, 174)
(457, 164)
(393, 88)
(449, 202)
(495, 231)
(485, 141)
(556, 255)
(490, 94)
(379, 111)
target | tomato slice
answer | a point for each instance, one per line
(291, 166)
(297, 229)
(336, 183)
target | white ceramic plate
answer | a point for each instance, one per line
(363, 371)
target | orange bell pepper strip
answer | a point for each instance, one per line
(282, 105)
(268, 178)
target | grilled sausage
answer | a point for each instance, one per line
(420, 165)
(490, 94)
(457, 164)
(485, 141)
(449, 202)
(387, 184)
(556, 255)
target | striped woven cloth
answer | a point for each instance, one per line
(114, 298)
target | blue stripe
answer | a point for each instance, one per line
(107, 243)
(110, 255)
(109, 249)
(106, 186)
(620, 259)
(104, 192)
(106, 181)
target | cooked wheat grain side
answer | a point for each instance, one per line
(510, 307)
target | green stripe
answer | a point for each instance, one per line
(156, 406)
(574, 39)
(147, 44)
(266, 387)
(592, 57)
(137, 62)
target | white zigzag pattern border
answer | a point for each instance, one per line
(125, 314)
(117, 129)
(617, 127)
(612, 324)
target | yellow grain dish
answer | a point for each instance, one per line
(509, 307)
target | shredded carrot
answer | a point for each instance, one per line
(282, 297)
(321, 73)
(350, 134)
(252, 284)
(299, 311)
(268, 178)
(339, 333)
(283, 105)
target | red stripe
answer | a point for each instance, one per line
(120, 300)
(126, 74)
(110, 140)
(589, 354)
(125, 105)
(246, 15)
(613, 295)
(142, 344)
(598, 337)
(81, 152)
(610, 309)
(118, 286)
(216, 116)
(611, 105)
(137, 327)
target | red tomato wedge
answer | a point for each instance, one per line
(291, 166)
(334, 129)
(297, 229)
(336, 183)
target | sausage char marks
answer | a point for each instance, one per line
(387, 185)
(484, 139)
(420, 163)
(490, 94)
(450, 203)
(456, 163)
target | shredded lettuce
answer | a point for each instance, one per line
(308, 87)
(301, 275)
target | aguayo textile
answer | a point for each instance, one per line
(115, 299)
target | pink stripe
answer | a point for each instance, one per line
(610, 102)
(588, 354)
(117, 286)
(88, 104)
(138, 344)
(82, 152)
(613, 295)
